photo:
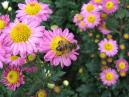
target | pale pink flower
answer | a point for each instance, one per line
(24, 37)
(33, 11)
(109, 77)
(109, 47)
(89, 8)
(92, 20)
(110, 6)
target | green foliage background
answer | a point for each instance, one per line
(83, 75)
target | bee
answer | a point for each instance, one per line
(62, 46)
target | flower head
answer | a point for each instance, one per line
(24, 37)
(109, 77)
(4, 21)
(33, 11)
(110, 6)
(60, 47)
(89, 8)
(92, 20)
(12, 77)
(109, 47)
(122, 65)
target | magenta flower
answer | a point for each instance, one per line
(122, 65)
(12, 77)
(89, 8)
(24, 37)
(109, 77)
(110, 6)
(92, 19)
(109, 47)
(55, 44)
(33, 11)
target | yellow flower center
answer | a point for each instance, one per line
(121, 65)
(32, 8)
(98, 1)
(91, 18)
(57, 47)
(12, 76)
(109, 76)
(13, 58)
(90, 7)
(20, 33)
(2, 24)
(108, 46)
(109, 5)
(41, 93)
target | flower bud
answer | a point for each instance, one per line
(5, 4)
(122, 47)
(66, 82)
(41, 93)
(57, 89)
(50, 85)
(10, 9)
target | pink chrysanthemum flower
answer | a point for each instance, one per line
(60, 47)
(82, 25)
(103, 29)
(77, 18)
(15, 60)
(92, 20)
(89, 8)
(109, 47)
(24, 37)
(4, 21)
(4, 49)
(110, 6)
(109, 77)
(33, 11)
(12, 77)
(122, 65)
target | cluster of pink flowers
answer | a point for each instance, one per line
(23, 38)
(109, 76)
(93, 14)
(108, 49)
